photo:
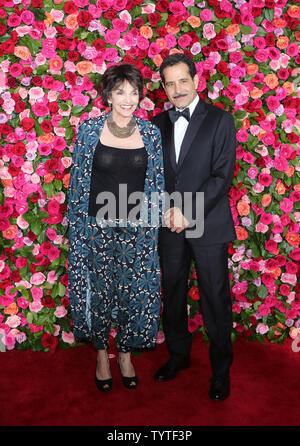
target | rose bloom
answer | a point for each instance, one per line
(84, 67)
(71, 21)
(22, 52)
(243, 208)
(11, 232)
(262, 329)
(266, 200)
(60, 311)
(292, 239)
(241, 233)
(209, 31)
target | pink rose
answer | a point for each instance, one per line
(286, 205)
(252, 172)
(209, 31)
(289, 278)
(242, 135)
(206, 15)
(119, 25)
(40, 109)
(35, 306)
(177, 8)
(280, 163)
(13, 321)
(265, 179)
(68, 337)
(184, 41)
(264, 310)
(262, 329)
(112, 36)
(60, 311)
(9, 341)
(160, 337)
(37, 278)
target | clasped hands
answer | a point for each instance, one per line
(175, 220)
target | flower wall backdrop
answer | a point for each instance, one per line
(52, 55)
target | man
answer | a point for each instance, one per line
(199, 156)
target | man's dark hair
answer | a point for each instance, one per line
(115, 75)
(174, 59)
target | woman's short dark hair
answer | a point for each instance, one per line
(174, 59)
(115, 75)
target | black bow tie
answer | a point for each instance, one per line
(174, 114)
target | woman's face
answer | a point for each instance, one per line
(124, 100)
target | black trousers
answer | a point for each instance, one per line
(211, 264)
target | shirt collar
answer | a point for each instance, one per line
(192, 105)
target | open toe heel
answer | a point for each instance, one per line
(104, 385)
(130, 382)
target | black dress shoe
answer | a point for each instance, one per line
(170, 369)
(219, 388)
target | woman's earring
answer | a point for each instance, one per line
(109, 104)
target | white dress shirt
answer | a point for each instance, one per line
(180, 127)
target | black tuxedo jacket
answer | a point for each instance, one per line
(206, 164)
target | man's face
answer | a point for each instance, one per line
(179, 86)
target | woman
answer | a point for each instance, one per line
(114, 271)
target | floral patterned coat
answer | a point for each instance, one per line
(145, 291)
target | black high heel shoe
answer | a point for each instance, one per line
(104, 385)
(129, 382)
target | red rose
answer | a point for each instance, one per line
(293, 137)
(48, 340)
(110, 15)
(270, 39)
(31, 235)
(270, 4)
(256, 12)
(27, 71)
(84, 18)
(154, 18)
(2, 29)
(162, 32)
(37, 81)
(70, 7)
(37, 3)
(46, 126)
(6, 129)
(53, 107)
(20, 106)
(5, 283)
(27, 123)
(138, 22)
(15, 276)
(73, 56)
(13, 170)
(12, 83)
(63, 43)
(162, 5)
(48, 302)
(19, 148)
(99, 44)
(194, 293)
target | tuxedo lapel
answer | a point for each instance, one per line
(196, 121)
(169, 142)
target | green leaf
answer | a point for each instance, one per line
(245, 29)
(49, 189)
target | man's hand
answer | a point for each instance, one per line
(175, 220)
